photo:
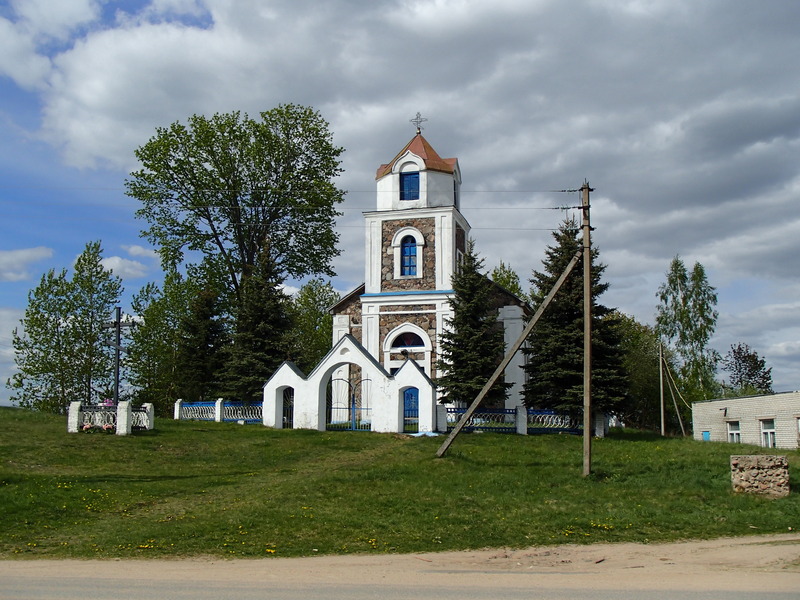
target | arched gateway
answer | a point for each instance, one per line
(387, 394)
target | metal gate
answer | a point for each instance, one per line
(348, 405)
(288, 408)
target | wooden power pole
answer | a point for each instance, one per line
(587, 332)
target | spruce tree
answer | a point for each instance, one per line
(554, 348)
(473, 344)
(202, 341)
(261, 333)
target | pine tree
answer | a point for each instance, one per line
(554, 348)
(473, 344)
(261, 334)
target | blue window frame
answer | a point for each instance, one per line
(408, 256)
(409, 186)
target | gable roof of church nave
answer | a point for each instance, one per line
(420, 146)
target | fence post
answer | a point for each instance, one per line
(219, 407)
(73, 417)
(124, 418)
(151, 415)
(177, 411)
(521, 418)
(441, 418)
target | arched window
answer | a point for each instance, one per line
(408, 339)
(408, 256)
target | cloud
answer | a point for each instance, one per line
(124, 267)
(18, 58)
(141, 251)
(14, 263)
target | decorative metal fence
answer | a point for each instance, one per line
(503, 420)
(550, 421)
(198, 411)
(99, 416)
(219, 411)
(500, 420)
(241, 411)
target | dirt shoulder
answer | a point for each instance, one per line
(726, 563)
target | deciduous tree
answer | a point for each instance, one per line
(230, 187)
(506, 277)
(312, 322)
(62, 352)
(151, 360)
(749, 373)
(686, 318)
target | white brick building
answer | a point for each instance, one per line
(771, 421)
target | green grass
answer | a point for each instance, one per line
(224, 490)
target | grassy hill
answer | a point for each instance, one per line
(194, 488)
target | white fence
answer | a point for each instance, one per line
(119, 419)
(219, 411)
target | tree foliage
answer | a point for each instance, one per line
(749, 373)
(261, 333)
(312, 322)
(507, 278)
(62, 353)
(203, 337)
(686, 317)
(230, 187)
(555, 346)
(472, 346)
(151, 360)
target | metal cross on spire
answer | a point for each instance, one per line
(418, 121)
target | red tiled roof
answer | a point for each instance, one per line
(420, 146)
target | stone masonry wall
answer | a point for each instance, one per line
(426, 226)
(760, 474)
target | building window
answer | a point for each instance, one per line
(408, 339)
(409, 186)
(768, 433)
(734, 434)
(408, 256)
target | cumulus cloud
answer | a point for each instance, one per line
(682, 115)
(141, 251)
(14, 263)
(124, 267)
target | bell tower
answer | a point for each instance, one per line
(415, 240)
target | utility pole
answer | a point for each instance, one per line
(587, 332)
(509, 355)
(661, 383)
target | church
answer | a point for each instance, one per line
(415, 240)
(381, 371)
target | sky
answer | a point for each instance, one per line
(683, 116)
